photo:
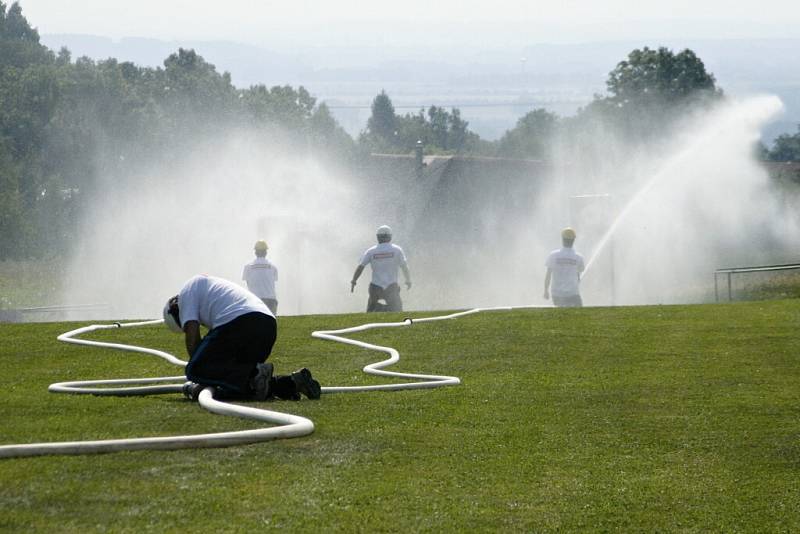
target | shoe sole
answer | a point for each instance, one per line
(306, 384)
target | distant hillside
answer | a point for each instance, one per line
(493, 88)
(247, 64)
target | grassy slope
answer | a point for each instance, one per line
(624, 419)
(30, 283)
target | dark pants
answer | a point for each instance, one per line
(391, 295)
(227, 356)
(573, 301)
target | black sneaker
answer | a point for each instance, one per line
(306, 384)
(191, 390)
(260, 382)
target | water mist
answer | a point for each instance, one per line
(653, 227)
(140, 243)
(708, 204)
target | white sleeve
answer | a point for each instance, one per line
(189, 302)
(244, 272)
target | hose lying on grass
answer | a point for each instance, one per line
(288, 425)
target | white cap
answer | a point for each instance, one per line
(384, 230)
(170, 321)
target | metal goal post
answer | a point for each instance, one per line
(727, 275)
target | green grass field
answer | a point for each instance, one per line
(663, 418)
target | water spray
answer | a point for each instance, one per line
(740, 123)
(719, 196)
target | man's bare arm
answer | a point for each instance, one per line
(547, 284)
(407, 274)
(191, 331)
(356, 274)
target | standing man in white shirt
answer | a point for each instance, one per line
(261, 275)
(231, 358)
(564, 268)
(384, 258)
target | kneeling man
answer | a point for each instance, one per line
(231, 357)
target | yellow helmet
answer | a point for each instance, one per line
(568, 233)
(261, 246)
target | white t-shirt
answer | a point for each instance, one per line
(260, 276)
(384, 258)
(214, 302)
(566, 265)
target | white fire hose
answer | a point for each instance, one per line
(288, 425)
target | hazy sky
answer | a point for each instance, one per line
(416, 22)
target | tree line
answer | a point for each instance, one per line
(648, 93)
(68, 124)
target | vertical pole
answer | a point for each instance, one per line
(716, 289)
(613, 272)
(418, 159)
(611, 255)
(729, 287)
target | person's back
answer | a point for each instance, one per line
(260, 275)
(564, 268)
(214, 301)
(385, 259)
(566, 265)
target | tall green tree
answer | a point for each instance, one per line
(382, 123)
(327, 134)
(439, 130)
(532, 136)
(19, 42)
(291, 108)
(28, 97)
(413, 127)
(785, 148)
(660, 77)
(438, 126)
(651, 89)
(458, 134)
(68, 126)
